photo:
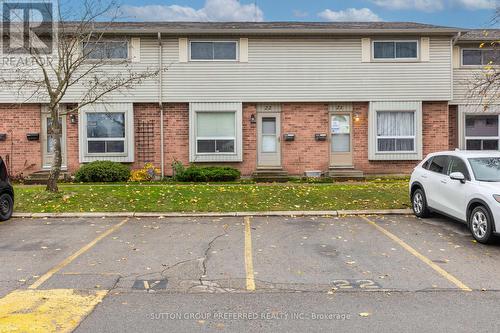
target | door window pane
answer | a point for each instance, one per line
(268, 125)
(439, 164)
(341, 143)
(268, 143)
(341, 124)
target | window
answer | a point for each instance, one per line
(208, 50)
(481, 132)
(458, 165)
(486, 169)
(215, 132)
(439, 164)
(395, 131)
(105, 133)
(480, 57)
(395, 50)
(427, 164)
(111, 50)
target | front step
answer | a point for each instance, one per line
(270, 175)
(346, 173)
(41, 177)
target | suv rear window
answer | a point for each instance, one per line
(439, 164)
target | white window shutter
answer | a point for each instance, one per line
(243, 49)
(365, 50)
(183, 50)
(456, 57)
(135, 49)
(425, 49)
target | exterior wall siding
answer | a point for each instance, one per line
(22, 156)
(284, 70)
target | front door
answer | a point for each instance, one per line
(340, 140)
(269, 143)
(48, 141)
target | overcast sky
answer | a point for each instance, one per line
(457, 13)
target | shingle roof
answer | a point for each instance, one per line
(305, 28)
(480, 35)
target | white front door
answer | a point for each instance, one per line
(48, 142)
(340, 140)
(269, 142)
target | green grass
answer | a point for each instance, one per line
(209, 198)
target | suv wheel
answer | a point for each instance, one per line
(6, 206)
(419, 203)
(480, 224)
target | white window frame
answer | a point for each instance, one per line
(128, 154)
(414, 137)
(194, 109)
(104, 40)
(482, 138)
(473, 49)
(197, 138)
(411, 59)
(215, 41)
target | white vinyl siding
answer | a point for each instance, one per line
(215, 132)
(394, 143)
(105, 143)
(295, 69)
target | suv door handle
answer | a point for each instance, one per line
(423, 176)
(444, 181)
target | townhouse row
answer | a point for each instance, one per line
(339, 99)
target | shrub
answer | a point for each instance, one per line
(207, 174)
(147, 173)
(103, 171)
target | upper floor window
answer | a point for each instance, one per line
(213, 50)
(480, 57)
(404, 49)
(106, 50)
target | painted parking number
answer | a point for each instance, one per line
(355, 284)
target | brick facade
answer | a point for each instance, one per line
(302, 119)
(453, 126)
(434, 132)
(305, 153)
(22, 156)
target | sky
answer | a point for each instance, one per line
(454, 13)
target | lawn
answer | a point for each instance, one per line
(213, 198)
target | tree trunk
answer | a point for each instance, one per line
(56, 131)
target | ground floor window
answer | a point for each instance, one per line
(106, 132)
(215, 132)
(482, 132)
(396, 131)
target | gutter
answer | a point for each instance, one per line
(160, 103)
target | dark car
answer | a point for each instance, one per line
(6, 193)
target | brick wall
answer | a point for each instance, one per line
(434, 131)
(453, 126)
(72, 145)
(147, 134)
(176, 122)
(305, 153)
(16, 121)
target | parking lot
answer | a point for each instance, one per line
(254, 273)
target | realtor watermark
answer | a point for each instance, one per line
(274, 315)
(29, 32)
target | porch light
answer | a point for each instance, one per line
(252, 119)
(356, 117)
(72, 118)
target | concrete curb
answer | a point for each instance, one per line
(212, 214)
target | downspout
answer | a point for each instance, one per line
(160, 103)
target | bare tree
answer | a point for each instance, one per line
(79, 61)
(484, 87)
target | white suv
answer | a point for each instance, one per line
(464, 185)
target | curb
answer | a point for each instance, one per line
(212, 214)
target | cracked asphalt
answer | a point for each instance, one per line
(310, 273)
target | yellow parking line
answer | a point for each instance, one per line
(250, 279)
(420, 256)
(75, 255)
